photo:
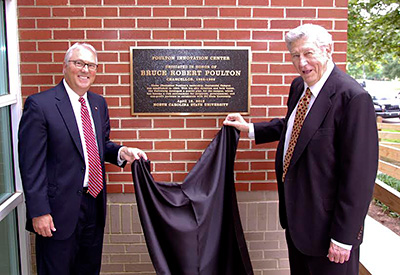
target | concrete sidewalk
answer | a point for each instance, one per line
(379, 252)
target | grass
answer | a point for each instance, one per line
(394, 183)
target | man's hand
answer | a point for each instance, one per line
(338, 254)
(237, 121)
(130, 154)
(43, 225)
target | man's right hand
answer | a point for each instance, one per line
(43, 225)
(236, 120)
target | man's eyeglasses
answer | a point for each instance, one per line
(80, 65)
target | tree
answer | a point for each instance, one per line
(374, 35)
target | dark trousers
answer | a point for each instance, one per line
(301, 264)
(80, 254)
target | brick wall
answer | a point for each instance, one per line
(174, 143)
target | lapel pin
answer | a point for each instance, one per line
(95, 108)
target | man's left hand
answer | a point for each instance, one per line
(338, 254)
(130, 154)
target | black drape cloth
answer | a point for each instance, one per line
(194, 227)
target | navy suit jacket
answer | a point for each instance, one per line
(51, 157)
(331, 176)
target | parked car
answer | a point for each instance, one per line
(386, 107)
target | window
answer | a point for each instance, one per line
(9, 260)
(6, 160)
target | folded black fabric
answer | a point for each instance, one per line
(194, 227)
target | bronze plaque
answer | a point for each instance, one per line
(186, 81)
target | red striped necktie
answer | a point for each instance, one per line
(95, 184)
(297, 125)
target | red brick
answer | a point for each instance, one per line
(255, 46)
(170, 34)
(152, 2)
(268, 57)
(301, 12)
(200, 12)
(69, 34)
(33, 12)
(187, 2)
(332, 13)
(120, 2)
(185, 23)
(85, 23)
(268, 12)
(119, 177)
(266, 101)
(107, 57)
(286, 3)
(114, 188)
(37, 79)
(267, 79)
(29, 68)
(35, 34)
(235, 12)
(153, 23)
(168, 123)
(185, 44)
(252, 24)
(284, 24)
(170, 167)
(327, 24)
(153, 44)
(267, 186)
(341, 25)
(169, 145)
(101, 34)
(36, 57)
(200, 123)
(186, 155)
(69, 12)
(341, 3)
(259, 68)
(258, 112)
(220, 2)
(53, 46)
(219, 23)
(26, 23)
(162, 177)
(253, 2)
(134, 12)
(135, 34)
(197, 145)
(340, 47)
(106, 79)
(86, 2)
(258, 90)
(50, 68)
(157, 156)
(276, 112)
(179, 177)
(250, 176)
(101, 12)
(153, 134)
(339, 57)
(339, 36)
(239, 186)
(320, 3)
(201, 34)
(116, 68)
(219, 44)
(277, 46)
(26, 2)
(51, 2)
(279, 90)
(282, 69)
(235, 35)
(168, 12)
(120, 134)
(186, 134)
(119, 23)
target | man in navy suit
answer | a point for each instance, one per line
(326, 187)
(62, 209)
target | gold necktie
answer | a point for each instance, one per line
(297, 124)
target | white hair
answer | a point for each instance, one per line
(77, 45)
(319, 35)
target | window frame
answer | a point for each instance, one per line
(14, 101)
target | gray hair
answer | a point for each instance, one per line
(318, 34)
(77, 45)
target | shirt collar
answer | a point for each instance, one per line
(316, 88)
(71, 94)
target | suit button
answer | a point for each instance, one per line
(79, 192)
(83, 169)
